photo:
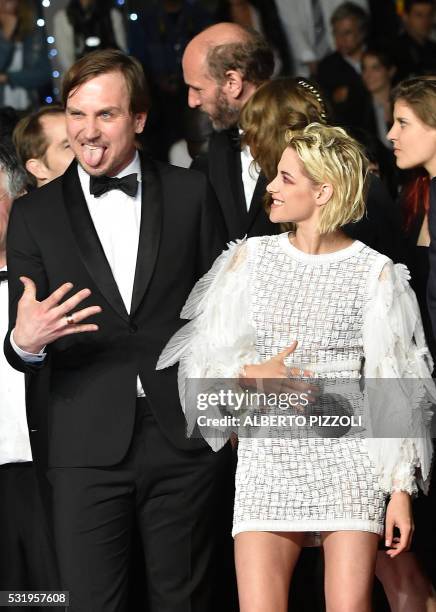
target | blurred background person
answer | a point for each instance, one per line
(27, 559)
(87, 25)
(24, 63)
(158, 39)
(42, 145)
(414, 51)
(378, 71)
(307, 25)
(262, 16)
(340, 73)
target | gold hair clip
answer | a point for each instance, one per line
(317, 96)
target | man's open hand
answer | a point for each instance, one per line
(41, 323)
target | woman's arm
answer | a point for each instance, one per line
(398, 382)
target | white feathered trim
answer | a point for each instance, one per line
(395, 349)
(219, 340)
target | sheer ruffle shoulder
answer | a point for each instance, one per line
(395, 350)
(219, 340)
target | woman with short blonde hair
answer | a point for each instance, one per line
(311, 302)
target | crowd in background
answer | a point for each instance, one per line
(354, 53)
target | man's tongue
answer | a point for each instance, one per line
(93, 155)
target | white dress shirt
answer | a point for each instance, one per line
(117, 220)
(14, 434)
(250, 174)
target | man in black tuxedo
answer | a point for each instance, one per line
(135, 235)
(223, 66)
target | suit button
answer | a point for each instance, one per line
(133, 328)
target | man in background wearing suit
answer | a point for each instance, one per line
(26, 553)
(223, 66)
(132, 237)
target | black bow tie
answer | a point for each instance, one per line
(235, 138)
(3, 275)
(101, 184)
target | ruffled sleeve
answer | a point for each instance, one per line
(219, 339)
(400, 406)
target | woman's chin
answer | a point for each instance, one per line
(275, 215)
(278, 216)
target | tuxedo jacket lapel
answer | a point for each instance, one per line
(225, 172)
(88, 242)
(256, 201)
(151, 227)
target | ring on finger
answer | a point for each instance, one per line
(69, 319)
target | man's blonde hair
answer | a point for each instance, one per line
(329, 155)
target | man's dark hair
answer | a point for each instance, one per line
(97, 63)
(348, 10)
(251, 57)
(15, 175)
(29, 137)
(409, 4)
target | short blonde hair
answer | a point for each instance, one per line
(330, 155)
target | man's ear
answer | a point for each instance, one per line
(323, 194)
(37, 168)
(233, 84)
(140, 119)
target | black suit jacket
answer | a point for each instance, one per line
(222, 165)
(380, 227)
(81, 401)
(346, 91)
(431, 286)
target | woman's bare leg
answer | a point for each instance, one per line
(406, 586)
(265, 562)
(350, 558)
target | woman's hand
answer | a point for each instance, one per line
(274, 369)
(399, 514)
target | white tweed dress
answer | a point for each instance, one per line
(309, 484)
(342, 308)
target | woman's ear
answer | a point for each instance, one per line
(323, 193)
